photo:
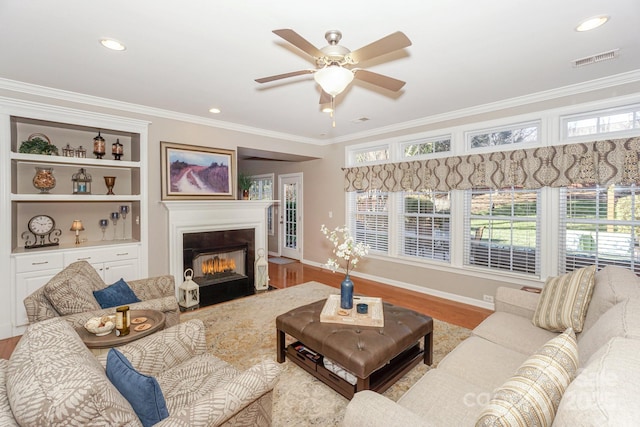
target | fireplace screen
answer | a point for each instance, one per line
(220, 266)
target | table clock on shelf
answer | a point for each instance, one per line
(42, 232)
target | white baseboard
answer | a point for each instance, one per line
(415, 288)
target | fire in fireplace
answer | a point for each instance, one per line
(220, 266)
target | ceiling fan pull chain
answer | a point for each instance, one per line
(333, 111)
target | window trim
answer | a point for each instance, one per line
(597, 114)
(468, 136)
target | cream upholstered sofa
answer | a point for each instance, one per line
(605, 391)
(69, 294)
(52, 379)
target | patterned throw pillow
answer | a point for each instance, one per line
(71, 290)
(564, 301)
(532, 396)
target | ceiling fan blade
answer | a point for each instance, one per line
(385, 82)
(298, 41)
(325, 98)
(284, 76)
(390, 43)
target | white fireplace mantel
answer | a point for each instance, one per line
(196, 216)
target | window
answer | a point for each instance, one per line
(502, 230)
(427, 146)
(602, 122)
(370, 219)
(601, 226)
(425, 227)
(262, 189)
(371, 155)
(517, 134)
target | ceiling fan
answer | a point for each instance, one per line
(335, 63)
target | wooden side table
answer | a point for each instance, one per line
(99, 345)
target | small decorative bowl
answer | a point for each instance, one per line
(100, 326)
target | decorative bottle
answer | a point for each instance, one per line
(346, 293)
(122, 321)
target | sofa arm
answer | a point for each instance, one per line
(516, 301)
(218, 406)
(368, 408)
(158, 352)
(154, 287)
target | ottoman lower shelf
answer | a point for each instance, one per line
(378, 381)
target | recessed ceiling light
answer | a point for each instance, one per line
(112, 44)
(593, 22)
(214, 110)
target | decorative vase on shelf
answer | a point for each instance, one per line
(346, 293)
(44, 179)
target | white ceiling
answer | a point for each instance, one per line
(189, 56)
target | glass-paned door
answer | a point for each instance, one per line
(291, 215)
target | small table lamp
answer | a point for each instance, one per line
(77, 227)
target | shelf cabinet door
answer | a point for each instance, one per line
(113, 271)
(27, 283)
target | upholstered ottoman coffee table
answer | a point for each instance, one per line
(376, 356)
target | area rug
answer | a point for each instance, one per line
(243, 332)
(278, 260)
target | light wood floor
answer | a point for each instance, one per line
(468, 316)
(287, 275)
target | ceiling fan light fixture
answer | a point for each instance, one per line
(333, 79)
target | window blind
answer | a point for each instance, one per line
(424, 230)
(369, 221)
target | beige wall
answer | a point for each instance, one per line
(323, 190)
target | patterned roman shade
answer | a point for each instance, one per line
(605, 162)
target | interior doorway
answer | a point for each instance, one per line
(290, 235)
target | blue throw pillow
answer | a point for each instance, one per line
(142, 392)
(115, 295)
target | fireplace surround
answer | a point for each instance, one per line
(191, 217)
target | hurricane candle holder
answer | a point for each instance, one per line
(103, 226)
(114, 218)
(124, 210)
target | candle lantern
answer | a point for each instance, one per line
(81, 152)
(68, 151)
(261, 272)
(81, 182)
(189, 291)
(117, 150)
(98, 146)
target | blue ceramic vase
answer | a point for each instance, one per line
(346, 293)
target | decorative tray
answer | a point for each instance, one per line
(331, 312)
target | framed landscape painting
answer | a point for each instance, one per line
(193, 172)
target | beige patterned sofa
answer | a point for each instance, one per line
(52, 379)
(70, 294)
(496, 361)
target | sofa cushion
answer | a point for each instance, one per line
(612, 285)
(564, 300)
(622, 320)
(514, 332)
(607, 389)
(474, 360)
(6, 417)
(533, 394)
(53, 380)
(203, 373)
(443, 399)
(116, 294)
(71, 290)
(141, 391)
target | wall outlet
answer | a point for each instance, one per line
(488, 298)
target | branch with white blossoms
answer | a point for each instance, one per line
(345, 248)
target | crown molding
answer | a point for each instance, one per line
(64, 95)
(575, 89)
